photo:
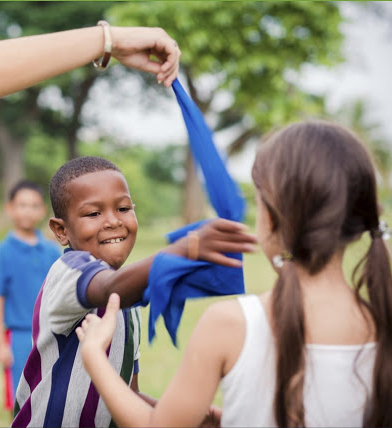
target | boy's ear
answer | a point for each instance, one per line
(58, 228)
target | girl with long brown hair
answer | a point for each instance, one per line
(311, 352)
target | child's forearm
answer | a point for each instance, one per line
(125, 406)
(129, 282)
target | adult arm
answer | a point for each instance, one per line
(209, 355)
(32, 59)
(216, 237)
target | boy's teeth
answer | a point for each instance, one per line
(113, 241)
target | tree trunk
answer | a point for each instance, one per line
(194, 208)
(11, 159)
(79, 100)
(194, 205)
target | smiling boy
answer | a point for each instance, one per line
(95, 217)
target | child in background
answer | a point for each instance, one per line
(312, 352)
(95, 217)
(25, 259)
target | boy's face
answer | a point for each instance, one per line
(100, 217)
(26, 210)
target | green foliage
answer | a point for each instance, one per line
(250, 48)
(43, 155)
(152, 174)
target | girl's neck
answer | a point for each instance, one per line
(331, 276)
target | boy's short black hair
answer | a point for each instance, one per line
(25, 184)
(75, 168)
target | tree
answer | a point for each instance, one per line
(246, 52)
(355, 116)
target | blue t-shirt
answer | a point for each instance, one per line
(23, 268)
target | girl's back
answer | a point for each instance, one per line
(337, 382)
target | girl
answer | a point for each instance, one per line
(313, 351)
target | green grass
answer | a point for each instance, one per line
(159, 361)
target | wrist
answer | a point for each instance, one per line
(102, 62)
(179, 247)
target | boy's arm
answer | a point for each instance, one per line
(215, 238)
(6, 357)
(30, 60)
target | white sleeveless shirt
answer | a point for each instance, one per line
(333, 394)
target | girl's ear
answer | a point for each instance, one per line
(58, 228)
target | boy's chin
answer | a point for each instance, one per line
(114, 261)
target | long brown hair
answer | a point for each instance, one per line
(318, 182)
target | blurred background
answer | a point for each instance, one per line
(249, 66)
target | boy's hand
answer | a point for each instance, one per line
(97, 333)
(213, 240)
(6, 357)
(213, 418)
(220, 236)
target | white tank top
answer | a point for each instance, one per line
(333, 394)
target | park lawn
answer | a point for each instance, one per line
(158, 362)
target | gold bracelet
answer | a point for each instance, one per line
(193, 245)
(103, 62)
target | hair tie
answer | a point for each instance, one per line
(381, 231)
(279, 259)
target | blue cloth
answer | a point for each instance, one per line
(174, 279)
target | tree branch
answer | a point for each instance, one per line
(237, 145)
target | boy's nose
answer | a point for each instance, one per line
(112, 221)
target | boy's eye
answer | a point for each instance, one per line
(127, 208)
(93, 214)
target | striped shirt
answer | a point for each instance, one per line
(54, 389)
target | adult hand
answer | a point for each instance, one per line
(134, 46)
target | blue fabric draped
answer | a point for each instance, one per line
(173, 279)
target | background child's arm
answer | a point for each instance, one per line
(30, 60)
(6, 357)
(187, 399)
(216, 237)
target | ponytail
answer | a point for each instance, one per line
(289, 328)
(377, 276)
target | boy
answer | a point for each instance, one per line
(25, 259)
(95, 217)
